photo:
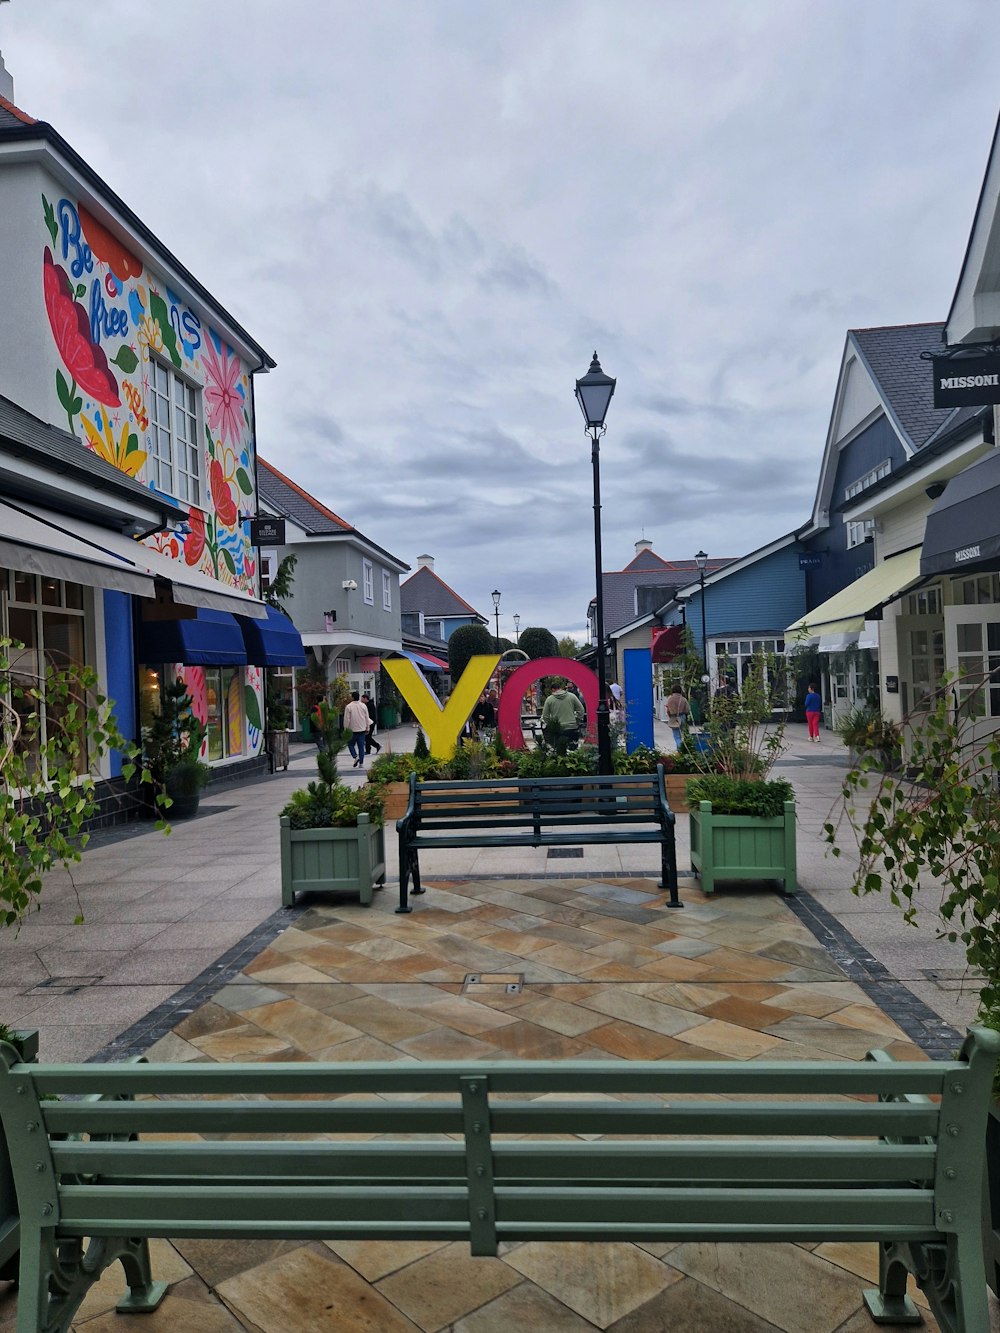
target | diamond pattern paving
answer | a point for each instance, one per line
(608, 974)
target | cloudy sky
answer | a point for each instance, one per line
(430, 213)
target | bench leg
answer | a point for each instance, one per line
(668, 870)
(890, 1303)
(404, 878)
(144, 1295)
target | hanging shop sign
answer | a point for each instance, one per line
(966, 381)
(267, 532)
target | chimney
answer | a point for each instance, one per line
(6, 82)
(643, 544)
(425, 562)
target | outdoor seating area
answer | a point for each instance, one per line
(511, 957)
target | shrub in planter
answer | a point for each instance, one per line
(735, 796)
(742, 830)
(869, 735)
(332, 835)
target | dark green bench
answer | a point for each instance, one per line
(537, 812)
(699, 1151)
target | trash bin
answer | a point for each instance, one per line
(387, 716)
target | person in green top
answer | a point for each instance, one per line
(562, 716)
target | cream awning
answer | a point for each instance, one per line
(187, 586)
(845, 612)
(39, 541)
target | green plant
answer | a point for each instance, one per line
(471, 761)
(545, 762)
(311, 687)
(420, 749)
(466, 642)
(280, 585)
(937, 820)
(745, 738)
(278, 713)
(326, 802)
(55, 728)
(736, 796)
(538, 642)
(865, 730)
(187, 777)
(174, 736)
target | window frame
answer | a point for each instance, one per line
(368, 582)
(386, 590)
(196, 482)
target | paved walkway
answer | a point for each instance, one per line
(184, 953)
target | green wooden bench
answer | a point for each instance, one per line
(537, 812)
(489, 1152)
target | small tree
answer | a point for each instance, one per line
(937, 819)
(468, 641)
(280, 586)
(54, 731)
(538, 642)
(567, 646)
(745, 738)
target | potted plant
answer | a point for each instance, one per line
(678, 768)
(938, 818)
(866, 733)
(278, 721)
(172, 743)
(390, 774)
(311, 688)
(332, 835)
(742, 824)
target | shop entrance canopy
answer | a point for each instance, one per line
(846, 611)
(963, 526)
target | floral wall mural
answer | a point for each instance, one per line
(119, 332)
(149, 387)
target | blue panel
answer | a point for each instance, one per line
(272, 642)
(120, 658)
(758, 601)
(212, 638)
(638, 697)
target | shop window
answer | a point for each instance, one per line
(977, 686)
(47, 616)
(224, 700)
(926, 662)
(983, 590)
(926, 602)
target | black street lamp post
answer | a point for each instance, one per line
(496, 614)
(701, 559)
(593, 393)
(517, 628)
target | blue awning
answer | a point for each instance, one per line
(211, 638)
(273, 641)
(428, 663)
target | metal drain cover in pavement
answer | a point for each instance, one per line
(512, 982)
(65, 985)
(566, 852)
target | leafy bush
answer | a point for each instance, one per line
(736, 796)
(320, 805)
(538, 642)
(865, 730)
(466, 642)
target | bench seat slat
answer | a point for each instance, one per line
(809, 1163)
(892, 1119)
(668, 1078)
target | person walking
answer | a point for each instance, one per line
(370, 740)
(677, 714)
(484, 717)
(357, 722)
(814, 707)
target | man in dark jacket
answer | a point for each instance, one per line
(369, 703)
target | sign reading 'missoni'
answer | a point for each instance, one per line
(966, 381)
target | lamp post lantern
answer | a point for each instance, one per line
(702, 559)
(594, 393)
(496, 615)
(517, 628)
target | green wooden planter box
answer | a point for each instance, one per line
(10, 1223)
(743, 847)
(324, 859)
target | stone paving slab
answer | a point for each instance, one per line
(345, 982)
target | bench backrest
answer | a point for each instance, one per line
(791, 1150)
(638, 798)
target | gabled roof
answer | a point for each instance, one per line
(892, 357)
(646, 570)
(25, 438)
(425, 591)
(16, 127)
(974, 315)
(287, 499)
